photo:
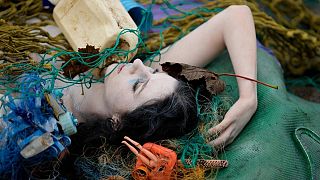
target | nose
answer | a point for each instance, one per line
(138, 67)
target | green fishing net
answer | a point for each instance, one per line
(281, 141)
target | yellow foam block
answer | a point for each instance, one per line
(95, 22)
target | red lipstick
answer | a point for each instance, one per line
(121, 67)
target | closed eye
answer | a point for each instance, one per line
(138, 81)
(135, 84)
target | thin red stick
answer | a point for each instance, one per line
(239, 76)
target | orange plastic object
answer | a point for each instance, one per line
(162, 169)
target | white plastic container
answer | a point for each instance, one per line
(95, 22)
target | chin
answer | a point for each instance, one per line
(110, 68)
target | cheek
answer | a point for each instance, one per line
(122, 104)
(111, 68)
(117, 93)
(111, 74)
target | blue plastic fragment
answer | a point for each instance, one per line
(28, 118)
(140, 15)
(28, 139)
(47, 5)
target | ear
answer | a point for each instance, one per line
(115, 120)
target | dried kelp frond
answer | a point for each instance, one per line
(71, 68)
(195, 76)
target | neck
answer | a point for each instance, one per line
(86, 104)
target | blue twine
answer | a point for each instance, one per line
(30, 116)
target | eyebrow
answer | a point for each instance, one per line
(143, 86)
(146, 83)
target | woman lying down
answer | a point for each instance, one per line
(147, 104)
(137, 99)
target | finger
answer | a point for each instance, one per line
(224, 124)
(222, 140)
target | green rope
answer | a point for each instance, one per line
(314, 136)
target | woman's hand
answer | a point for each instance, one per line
(234, 121)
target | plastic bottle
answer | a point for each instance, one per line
(95, 22)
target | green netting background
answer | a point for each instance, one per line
(278, 142)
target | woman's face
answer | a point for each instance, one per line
(129, 86)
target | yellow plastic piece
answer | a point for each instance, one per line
(95, 22)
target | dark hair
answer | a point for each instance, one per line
(170, 117)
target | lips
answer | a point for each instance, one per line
(121, 67)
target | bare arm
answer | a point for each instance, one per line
(233, 29)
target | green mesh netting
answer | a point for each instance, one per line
(281, 141)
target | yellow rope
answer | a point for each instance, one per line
(18, 42)
(18, 39)
(298, 50)
(20, 10)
